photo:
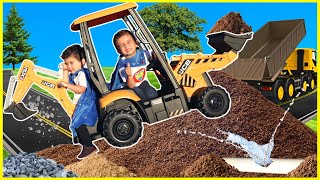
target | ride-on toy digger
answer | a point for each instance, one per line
(184, 81)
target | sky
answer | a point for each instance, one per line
(49, 25)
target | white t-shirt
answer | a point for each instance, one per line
(80, 80)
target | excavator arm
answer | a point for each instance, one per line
(27, 76)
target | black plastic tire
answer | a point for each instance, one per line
(278, 91)
(289, 89)
(214, 102)
(122, 128)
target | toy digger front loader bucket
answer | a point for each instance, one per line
(225, 41)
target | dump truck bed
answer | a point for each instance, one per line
(264, 57)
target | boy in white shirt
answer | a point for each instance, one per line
(77, 79)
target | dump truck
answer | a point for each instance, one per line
(272, 64)
(184, 82)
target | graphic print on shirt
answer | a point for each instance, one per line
(139, 75)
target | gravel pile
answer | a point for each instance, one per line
(29, 165)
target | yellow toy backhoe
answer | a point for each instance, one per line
(184, 81)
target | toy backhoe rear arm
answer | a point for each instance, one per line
(28, 76)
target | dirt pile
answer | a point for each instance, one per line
(231, 22)
(164, 151)
(96, 165)
(308, 168)
(210, 165)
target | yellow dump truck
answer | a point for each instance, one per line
(272, 64)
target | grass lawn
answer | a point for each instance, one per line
(5, 153)
(312, 124)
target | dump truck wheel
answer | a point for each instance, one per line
(278, 91)
(214, 102)
(304, 83)
(312, 83)
(122, 128)
(289, 89)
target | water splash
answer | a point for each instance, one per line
(261, 154)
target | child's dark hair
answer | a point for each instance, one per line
(74, 50)
(121, 33)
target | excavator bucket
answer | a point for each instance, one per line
(20, 85)
(225, 41)
(19, 111)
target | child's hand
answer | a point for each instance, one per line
(61, 84)
(63, 66)
(128, 70)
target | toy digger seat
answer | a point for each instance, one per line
(225, 41)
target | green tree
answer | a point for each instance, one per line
(174, 27)
(15, 45)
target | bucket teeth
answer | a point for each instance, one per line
(19, 111)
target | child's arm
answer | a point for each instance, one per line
(75, 88)
(130, 82)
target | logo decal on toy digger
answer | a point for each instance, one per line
(184, 66)
(23, 73)
(48, 84)
(139, 75)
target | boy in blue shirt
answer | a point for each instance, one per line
(131, 68)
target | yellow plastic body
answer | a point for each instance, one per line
(308, 64)
(116, 95)
(191, 78)
(28, 76)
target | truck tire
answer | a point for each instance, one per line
(312, 82)
(122, 128)
(304, 83)
(214, 102)
(278, 91)
(289, 88)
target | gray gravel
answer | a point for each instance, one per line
(29, 165)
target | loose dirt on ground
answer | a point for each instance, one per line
(96, 165)
(164, 152)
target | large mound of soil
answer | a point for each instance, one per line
(210, 165)
(308, 168)
(231, 22)
(163, 151)
(96, 165)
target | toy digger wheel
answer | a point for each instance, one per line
(289, 89)
(214, 102)
(278, 91)
(122, 128)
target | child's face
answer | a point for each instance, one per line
(126, 46)
(73, 64)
